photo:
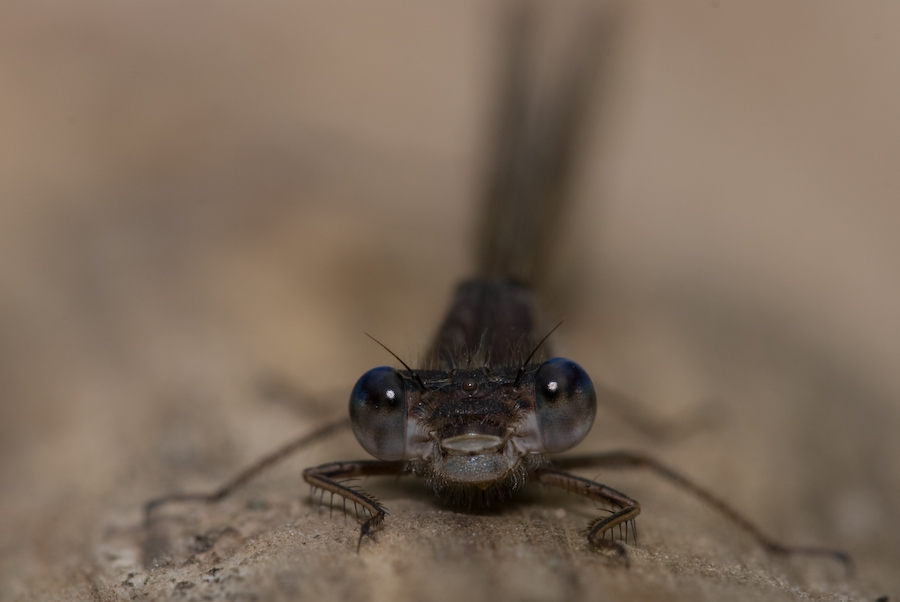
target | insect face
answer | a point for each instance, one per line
(476, 429)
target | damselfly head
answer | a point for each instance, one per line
(475, 428)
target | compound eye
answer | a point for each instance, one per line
(565, 402)
(378, 413)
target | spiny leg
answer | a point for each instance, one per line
(628, 509)
(623, 537)
(635, 460)
(248, 473)
(328, 478)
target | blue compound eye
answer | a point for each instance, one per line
(565, 402)
(378, 413)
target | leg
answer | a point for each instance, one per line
(326, 477)
(248, 473)
(633, 460)
(628, 509)
(635, 414)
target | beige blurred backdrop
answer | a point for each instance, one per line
(194, 196)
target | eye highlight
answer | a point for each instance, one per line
(378, 413)
(566, 404)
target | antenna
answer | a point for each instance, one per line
(521, 371)
(415, 374)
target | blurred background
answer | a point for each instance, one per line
(194, 196)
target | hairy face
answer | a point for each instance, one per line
(474, 433)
